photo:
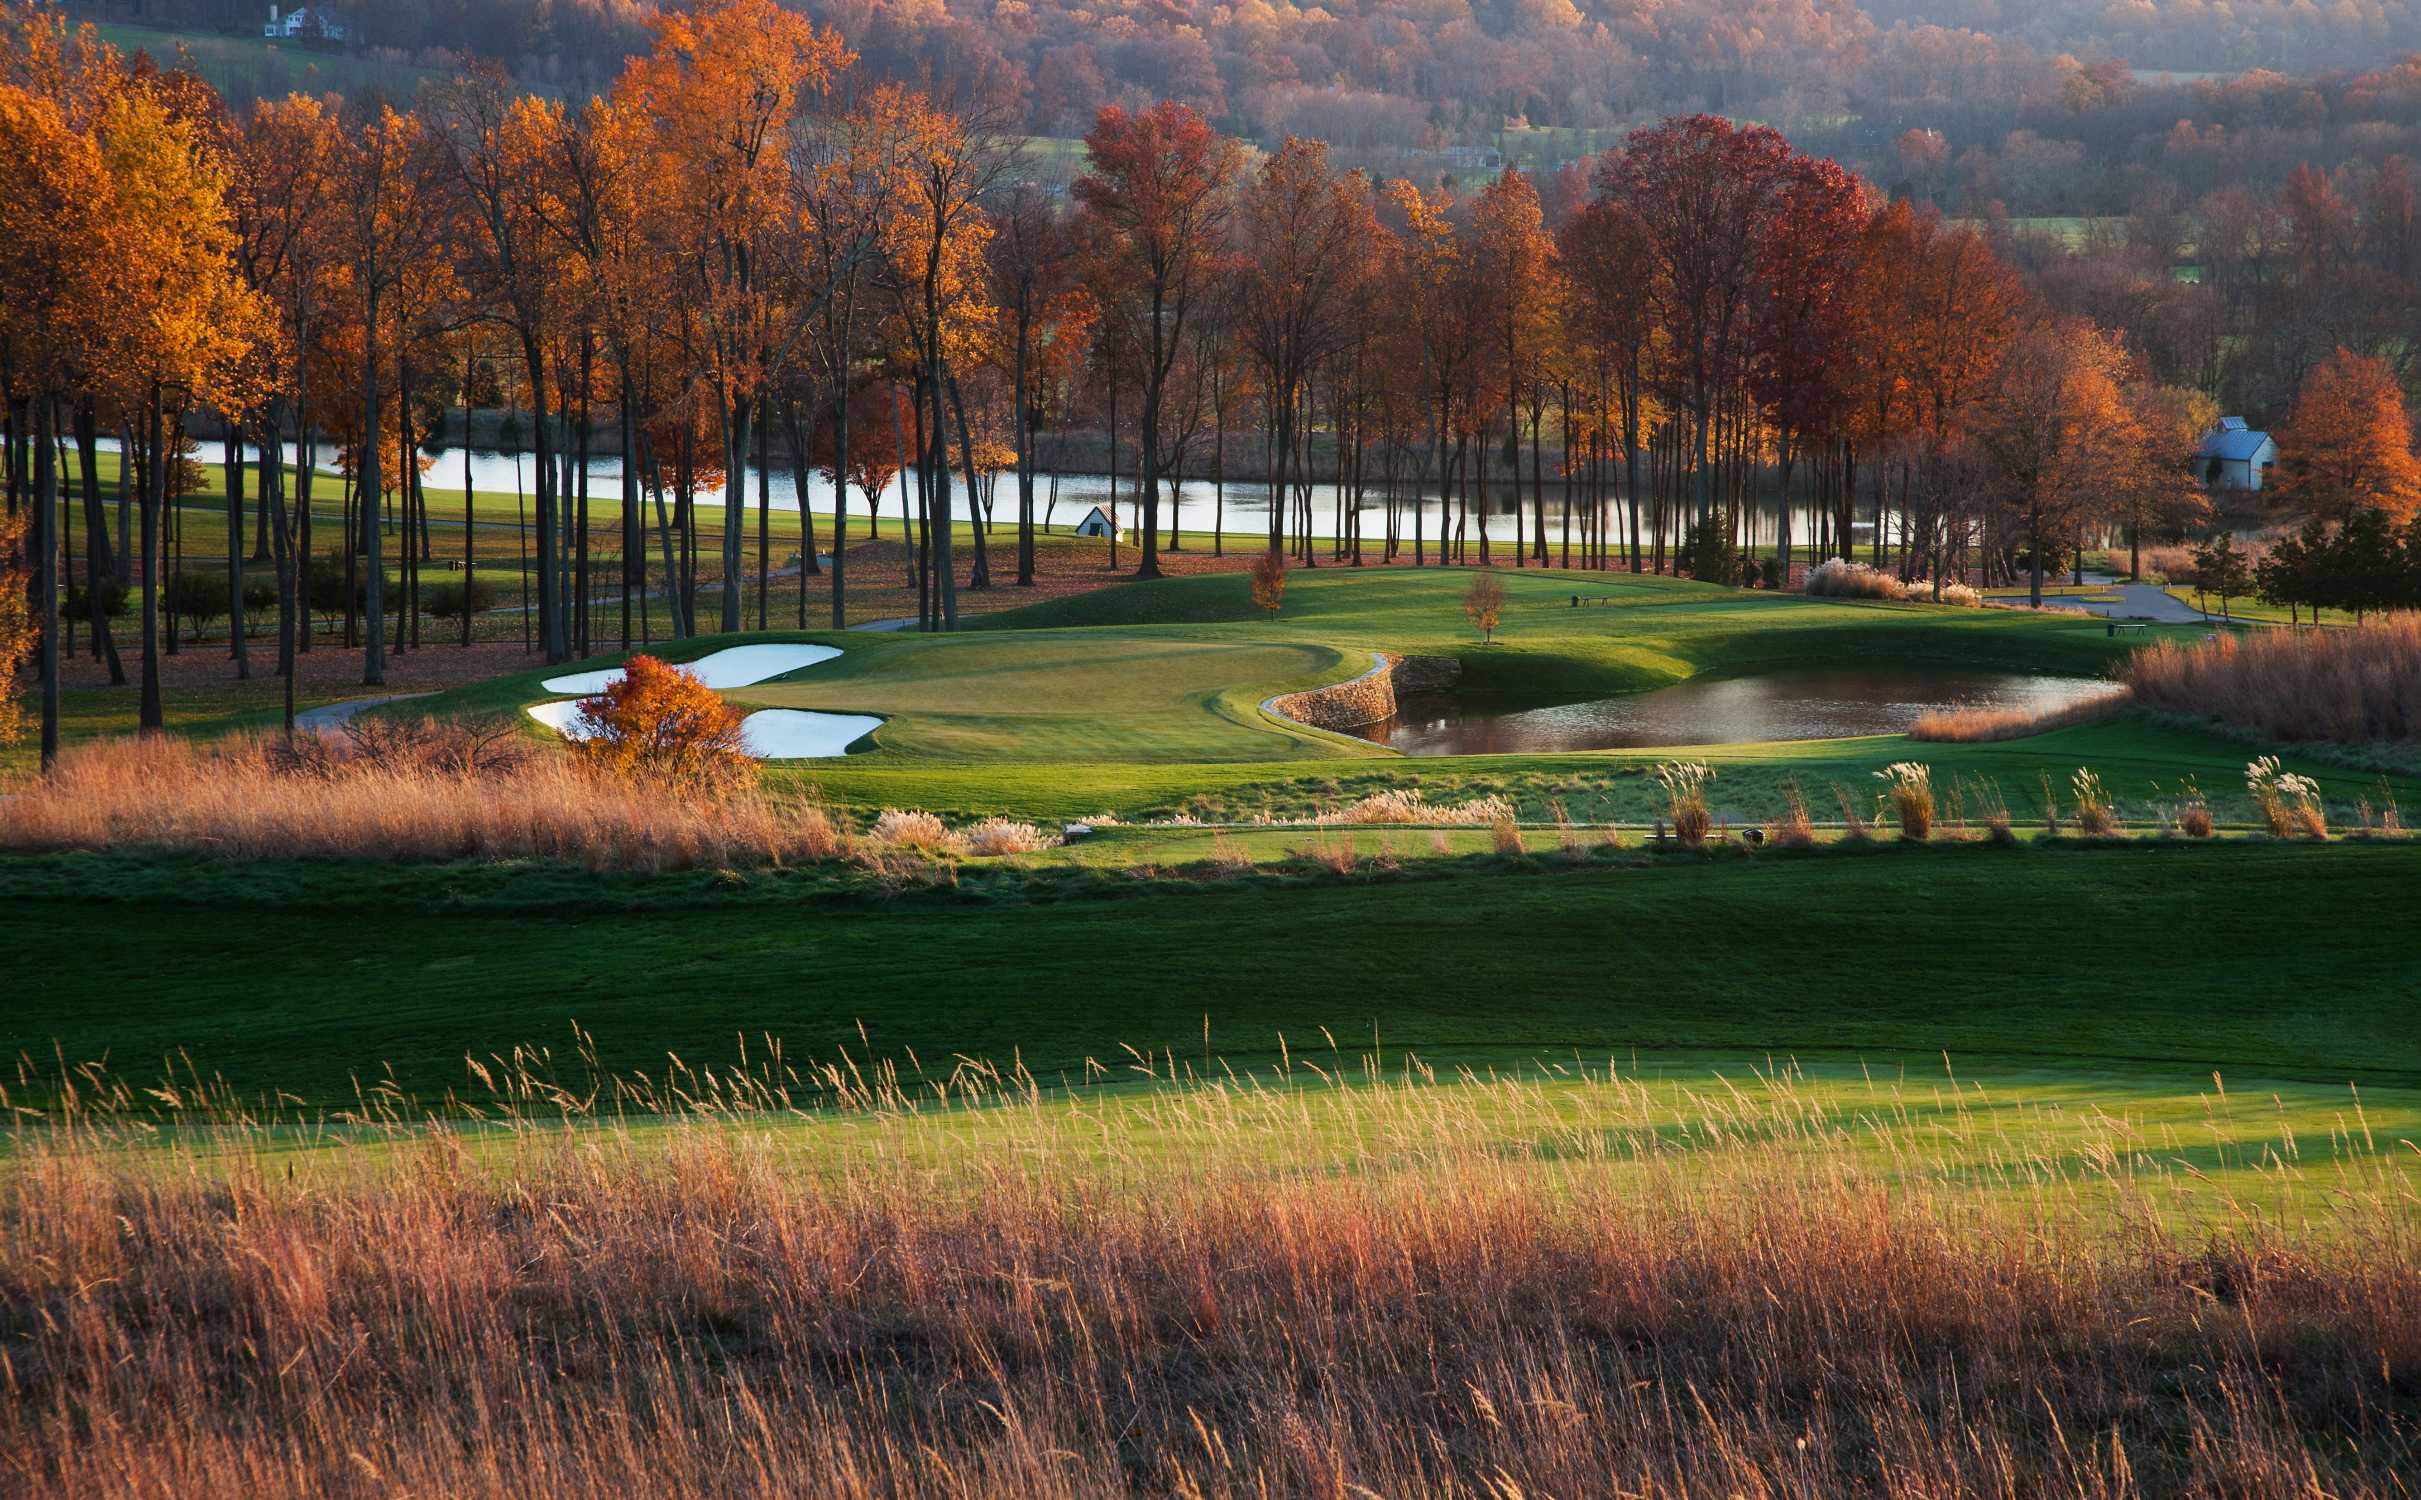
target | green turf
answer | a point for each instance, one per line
(2277, 960)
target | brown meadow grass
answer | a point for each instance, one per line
(1969, 726)
(1237, 1289)
(418, 793)
(2358, 686)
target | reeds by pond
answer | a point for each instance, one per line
(1977, 725)
(2357, 686)
(1248, 1287)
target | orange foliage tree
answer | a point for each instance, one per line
(2348, 444)
(661, 724)
(1268, 574)
(1158, 195)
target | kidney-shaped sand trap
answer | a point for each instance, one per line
(731, 667)
(767, 734)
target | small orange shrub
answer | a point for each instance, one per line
(1268, 576)
(660, 723)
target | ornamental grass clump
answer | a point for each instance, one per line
(1908, 792)
(2290, 804)
(1684, 783)
(1838, 578)
(1408, 805)
(1007, 836)
(1794, 829)
(915, 831)
(2193, 814)
(2096, 815)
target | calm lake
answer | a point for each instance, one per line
(1059, 499)
(1735, 710)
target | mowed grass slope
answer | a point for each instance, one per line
(2272, 960)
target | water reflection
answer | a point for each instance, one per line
(1734, 710)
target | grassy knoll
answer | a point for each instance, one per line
(2159, 959)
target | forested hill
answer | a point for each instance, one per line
(2034, 109)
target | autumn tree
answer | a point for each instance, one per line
(1157, 193)
(1484, 602)
(1521, 286)
(2156, 491)
(1800, 343)
(2348, 444)
(1268, 578)
(719, 89)
(390, 207)
(1612, 318)
(1305, 236)
(50, 304)
(1034, 283)
(1706, 193)
(2060, 432)
(182, 319)
(292, 254)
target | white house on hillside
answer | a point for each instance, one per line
(1096, 524)
(2235, 457)
(303, 23)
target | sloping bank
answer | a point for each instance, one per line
(1372, 697)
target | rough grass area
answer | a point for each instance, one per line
(1581, 1280)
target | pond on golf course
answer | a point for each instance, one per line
(1818, 705)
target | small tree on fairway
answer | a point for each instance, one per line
(1484, 602)
(1269, 581)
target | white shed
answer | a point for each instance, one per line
(1097, 523)
(2235, 457)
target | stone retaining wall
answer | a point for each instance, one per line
(1371, 697)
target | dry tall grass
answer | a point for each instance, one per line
(1495, 1290)
(1409, 805)
(2347, 687)
(397, 792)
(1975, 725)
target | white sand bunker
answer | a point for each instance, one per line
(731, 667)
(767, 734)
(796, 734)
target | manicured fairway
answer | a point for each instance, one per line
(1143, 701)
(2266, 961)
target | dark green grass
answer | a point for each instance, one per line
(2257, 960)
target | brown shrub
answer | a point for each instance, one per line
(1976, 725)
(2349, 687)
(431, 792)
(660, 724)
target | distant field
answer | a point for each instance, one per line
(248, 67)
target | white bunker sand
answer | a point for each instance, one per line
(731, 667)
(767, 734)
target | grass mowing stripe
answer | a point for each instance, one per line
(2277, 960)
